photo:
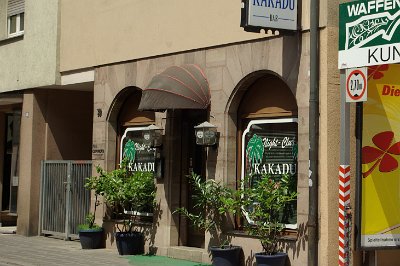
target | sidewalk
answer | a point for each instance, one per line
(32, 251)
(18, 250)
(161, 261)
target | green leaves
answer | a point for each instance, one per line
(138, 192)
(212, 200)
(264, 202)
(121, 188)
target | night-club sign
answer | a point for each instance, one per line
(270, 148)
(140, 156)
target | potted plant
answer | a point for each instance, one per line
(128, 194)
(212, 202)
(91, 234)
(264, 200)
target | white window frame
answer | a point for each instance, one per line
(257, 122)
(124, 136)
(18, 31)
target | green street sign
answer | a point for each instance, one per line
(369, 33)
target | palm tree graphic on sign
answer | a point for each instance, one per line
(130, 150)
(255, 150)
(295, 151)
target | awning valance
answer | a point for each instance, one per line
(178, 87)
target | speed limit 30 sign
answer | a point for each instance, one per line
(356, 84)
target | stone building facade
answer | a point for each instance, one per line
(94, 61)
(231, 71)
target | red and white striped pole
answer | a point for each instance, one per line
(344, 215)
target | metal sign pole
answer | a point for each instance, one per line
(344, 176)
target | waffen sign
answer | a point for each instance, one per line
(369, 33)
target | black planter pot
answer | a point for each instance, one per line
(91, 238)
(226, 255)
(278, 259)
(131, 243)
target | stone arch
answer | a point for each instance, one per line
(241, 88)
(127, 96)
(116, 104)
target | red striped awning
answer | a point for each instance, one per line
(178, 87)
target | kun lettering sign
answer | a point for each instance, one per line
(141, 157)
(269, 14)
(369, 33)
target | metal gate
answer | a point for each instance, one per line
(64, 201)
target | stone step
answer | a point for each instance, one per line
(189, 253)
(8, 230)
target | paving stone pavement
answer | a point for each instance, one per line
(16, 250)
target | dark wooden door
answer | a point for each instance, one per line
(193, 160)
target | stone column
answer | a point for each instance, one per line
(32, 152)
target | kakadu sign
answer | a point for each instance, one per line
(369, 33)
(270, 149)
(269, 14)
(140, 156)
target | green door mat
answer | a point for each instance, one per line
(144, 260)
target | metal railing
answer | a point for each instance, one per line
(64, 201)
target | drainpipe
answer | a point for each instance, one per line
(313, 134)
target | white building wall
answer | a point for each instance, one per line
(30, 60)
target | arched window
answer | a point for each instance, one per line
(267, 135)
(131, 124)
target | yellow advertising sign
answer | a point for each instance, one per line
(380, 219)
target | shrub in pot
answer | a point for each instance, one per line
(214, 202)
(264, 201)
(90, 234)
(125, 190)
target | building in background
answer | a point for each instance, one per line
(39, 118)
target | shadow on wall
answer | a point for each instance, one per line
(69, 117)
(212, 156)
(292, 46)
(251, 260)
(150, 232)
(296, 247)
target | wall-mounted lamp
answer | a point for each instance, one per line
(152, 136)
(206, 134)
